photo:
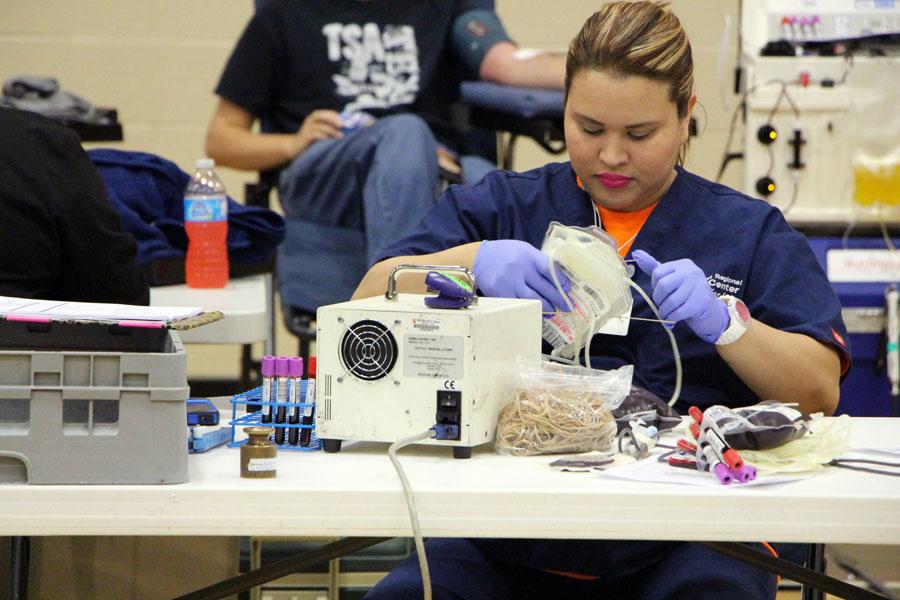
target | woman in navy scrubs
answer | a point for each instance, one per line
(755, 317)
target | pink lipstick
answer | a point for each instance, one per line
(613, 180)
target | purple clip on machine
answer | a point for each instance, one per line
(452, 292)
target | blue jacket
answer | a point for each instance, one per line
(744, 246)
(148, 193)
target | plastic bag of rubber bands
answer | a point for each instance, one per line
(561, 409)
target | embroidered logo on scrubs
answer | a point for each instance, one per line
(722, 284)
(378, 69)
(838, 338)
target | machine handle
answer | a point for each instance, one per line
(391, 293)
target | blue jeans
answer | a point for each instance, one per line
(464, 569)
(381, 179)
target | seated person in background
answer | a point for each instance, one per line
(60, 238)
(629, 96)
(300, 62)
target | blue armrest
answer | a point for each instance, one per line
(527, 103)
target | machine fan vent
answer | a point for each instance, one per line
(368, 350)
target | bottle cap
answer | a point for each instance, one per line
(281, 366)
(268, 366)
(311, 368)
(295, 366)
(258, 431)
(205, 163)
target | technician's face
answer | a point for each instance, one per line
(623, 135)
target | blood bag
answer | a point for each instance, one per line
(599, 280)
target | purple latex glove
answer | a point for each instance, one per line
(681, 292)
(514, 269)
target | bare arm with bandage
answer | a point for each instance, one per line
(508, 64)
(481, 42)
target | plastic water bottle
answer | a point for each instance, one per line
(206, 224)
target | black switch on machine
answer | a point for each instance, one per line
(449, 406)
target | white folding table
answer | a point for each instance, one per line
(356, 493)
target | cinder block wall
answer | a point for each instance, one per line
(157, 63)
(550, 26)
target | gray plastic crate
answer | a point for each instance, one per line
(94, 417)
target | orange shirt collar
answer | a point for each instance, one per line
(623, 226)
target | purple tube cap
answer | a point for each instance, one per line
(744, 473)
(282, 364)
(722, 473)
(295, 366)
(268, 366)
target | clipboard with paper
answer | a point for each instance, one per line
(29, 324)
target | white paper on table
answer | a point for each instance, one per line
(651, 470)
(92, 311)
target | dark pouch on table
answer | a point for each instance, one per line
(647, 406)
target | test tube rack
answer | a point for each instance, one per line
(254, 398)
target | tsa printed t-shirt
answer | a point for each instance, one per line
(380, 68)
(296, 56)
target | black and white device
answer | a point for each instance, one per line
(390, 367)
(819, 109)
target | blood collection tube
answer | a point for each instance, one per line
(695, 430)
(729, 455)
(295, 369)
(683, 462)
(687, 446)
(282, 369)
(267, 371)
(696, 414)
(310, 403)
(744, 473)
(715, 464)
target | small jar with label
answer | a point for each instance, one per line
(258, 454)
